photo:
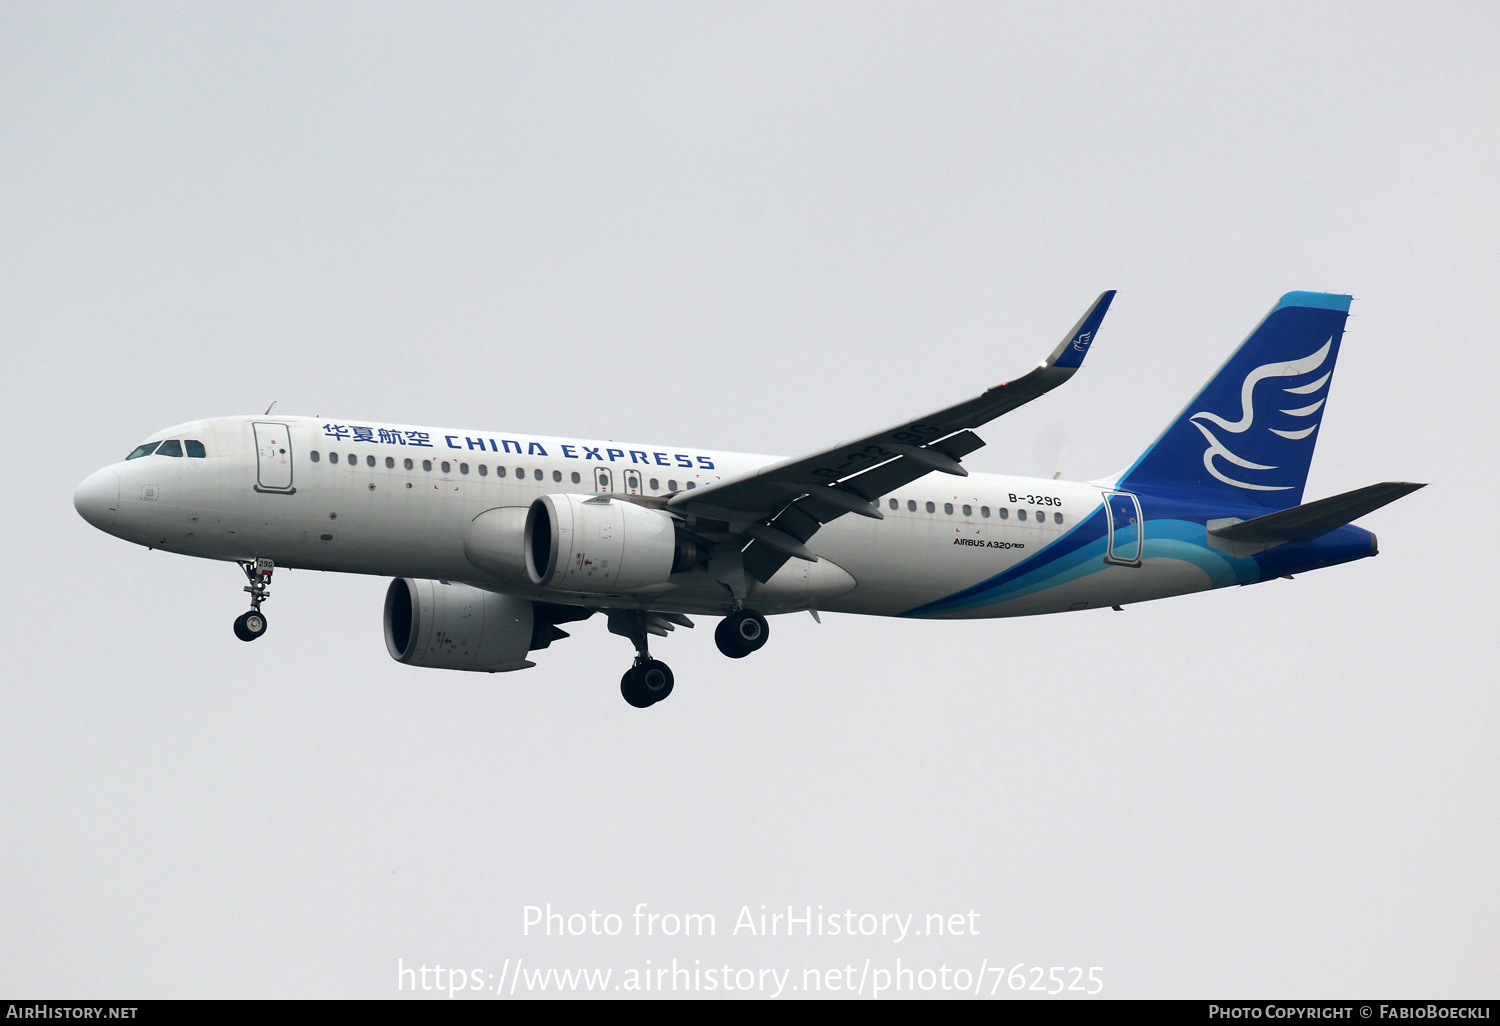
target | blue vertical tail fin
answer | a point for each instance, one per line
(1248, 436)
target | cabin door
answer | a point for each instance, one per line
(273, 458)
(1124, 515)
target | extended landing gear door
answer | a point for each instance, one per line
(1123, 511)
(273, 458)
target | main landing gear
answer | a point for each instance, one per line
(649, 680)
(741, 632)
(646, 683)
(251, 625)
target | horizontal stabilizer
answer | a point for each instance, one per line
(1314, 519)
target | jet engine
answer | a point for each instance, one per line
(457, 627)
(603, 545)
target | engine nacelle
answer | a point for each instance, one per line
(456, 627)
(497, 544)
(602, 545)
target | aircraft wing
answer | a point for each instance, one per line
(781, 506)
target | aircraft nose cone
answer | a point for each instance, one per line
(97, 500)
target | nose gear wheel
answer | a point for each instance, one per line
(251, 625)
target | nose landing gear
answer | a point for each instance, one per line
(251, 625)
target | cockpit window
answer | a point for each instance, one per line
(171, 447)
(195, 449)
(144, 450)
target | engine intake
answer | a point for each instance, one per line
(602, 545)
(456, 627)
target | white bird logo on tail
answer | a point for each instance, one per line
(1283, 369)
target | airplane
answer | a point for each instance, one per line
(493, 539)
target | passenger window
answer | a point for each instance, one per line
(948, 508)
(671, 485)
(406, 463)
(521, 473)
(333, 457)
(1003, 513)
(427, 465)
(195, 449)
(1057, 518)
(576, 478)
(911, 505)
(314, 456)
(537, 473)
(483, 470)
(655, 484)
(933, 509)
(463, 468)
(499, 471)
(691, 486)
(557, 475)
(390, 463)
(968, 511)
(369, 461)
(143, 450)
(895, 504)
(984, 511)
(446, 466)
(171, 447)
(1020, 514)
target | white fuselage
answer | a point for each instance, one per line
(323, 495)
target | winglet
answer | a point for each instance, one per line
(1070, 352)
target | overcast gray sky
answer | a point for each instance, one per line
(760, 227)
